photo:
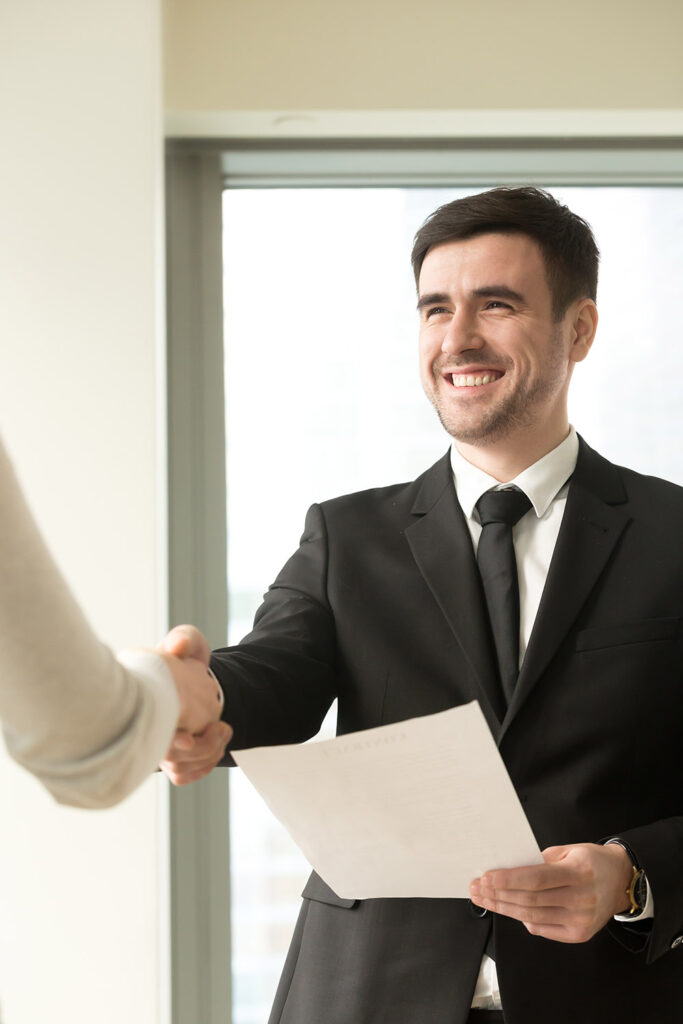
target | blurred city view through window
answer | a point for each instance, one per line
(323, 398)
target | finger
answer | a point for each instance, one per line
(528, 915)
(189, 769)
(178, 778)
(216, 735)
(553, 854)
(562, 896)
(185, 778)
(556, 932)
(182, 741)
(580, 932)
(226, 733)
(193, 762)
(208, 750)
(199, 745)
(573, 921)
(189, 763)
(182, 775)
(186, 641)
(181, 746)
(534, 877)
(176, 642)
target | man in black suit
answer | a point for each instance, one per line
(383, 607)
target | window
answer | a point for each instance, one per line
(624, 401)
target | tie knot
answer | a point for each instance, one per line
(502, 506)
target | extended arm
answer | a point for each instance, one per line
(280, 681)
(89, 727)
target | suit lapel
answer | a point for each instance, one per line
(442, 548)
(591, 527)
(441, 544)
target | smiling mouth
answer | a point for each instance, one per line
(474, 380)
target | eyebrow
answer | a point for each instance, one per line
(431, 299)
(498, 291)
(492, 291)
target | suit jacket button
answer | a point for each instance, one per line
(482, 911)
(677, 941)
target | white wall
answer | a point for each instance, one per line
(80, 237)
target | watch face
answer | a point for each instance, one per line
(640, 890)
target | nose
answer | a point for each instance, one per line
(461, 334)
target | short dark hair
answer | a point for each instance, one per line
(566, 241)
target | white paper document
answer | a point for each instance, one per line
(419, 808)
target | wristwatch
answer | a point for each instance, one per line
(637, 892)
(637, 889)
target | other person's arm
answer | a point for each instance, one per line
(90, 727)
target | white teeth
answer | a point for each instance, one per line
(461, 380)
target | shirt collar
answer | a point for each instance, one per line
(541, 482)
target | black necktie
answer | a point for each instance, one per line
(498, 513)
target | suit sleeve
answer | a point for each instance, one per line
(281, 679)
(659, 850)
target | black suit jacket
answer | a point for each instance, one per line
(382, 607)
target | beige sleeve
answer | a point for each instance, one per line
(89, 727)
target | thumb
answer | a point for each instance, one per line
(553, 854)
(186, 642)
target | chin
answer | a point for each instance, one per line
(485, 432)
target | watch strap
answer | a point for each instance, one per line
(636, 893)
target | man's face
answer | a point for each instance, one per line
(492, 361)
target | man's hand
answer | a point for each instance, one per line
(186, 642)
(200, 740)
(192, 757)
(186, 652)
(200, 696)
(568, 898)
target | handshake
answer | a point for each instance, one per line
(201, 737)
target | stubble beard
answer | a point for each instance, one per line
(485, 427)
(514, 412)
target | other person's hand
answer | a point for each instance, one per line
(568, 898)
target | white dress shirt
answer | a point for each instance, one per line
(534, 538)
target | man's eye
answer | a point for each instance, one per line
(497, 304)
(436, 311)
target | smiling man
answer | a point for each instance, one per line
(496, 353)
(525, 571)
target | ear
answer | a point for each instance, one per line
(584, 326)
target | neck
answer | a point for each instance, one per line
(506, 459)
